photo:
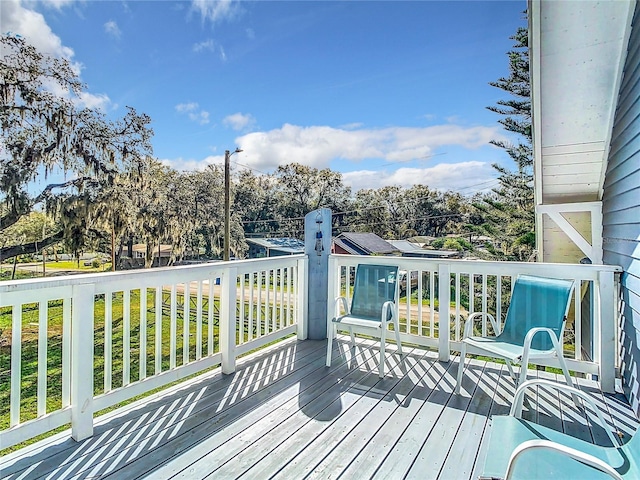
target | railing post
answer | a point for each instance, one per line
(82, 361)
(302, 320)
(332, 291)
(608, 317)
(444, 314)
(228, 298)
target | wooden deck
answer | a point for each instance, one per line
(283, 414)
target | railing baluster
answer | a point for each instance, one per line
(407, 326)
(210, 317)
(259, 307)
(173, 329)
(126, 337)
(457, 322)
(43, 308)
(267, 308)
(499, 302)
(484, 305)
(252, 280)
(16, 364)
(199, 321)
(66, 352)
(432, 303)
(158, 328)
(241, 315)
(289, 294)
(472, 302)
(108, 339)
(420, 297)
(282, 279)
(142, 358)
(274, 305)
(577, 320)
(186, 324)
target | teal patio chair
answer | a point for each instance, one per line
(532, 329)
(373, 306)
(520, 449)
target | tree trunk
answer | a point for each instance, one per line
(33, 247)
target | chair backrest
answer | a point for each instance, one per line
(536, 302)
(374, 285)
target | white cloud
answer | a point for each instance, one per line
(57, 4)
(112, 29)
(192, 109)
(32, 26)
(99, 101)
(464, 177)
(206, 45)
(216, 11)
(186, 107)
(318, 146)
(239, 121)
(211, 46)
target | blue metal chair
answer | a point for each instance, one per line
(532, 329)
(373, 306)
(520, 449)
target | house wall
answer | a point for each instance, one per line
(621, 213)
(557, 246)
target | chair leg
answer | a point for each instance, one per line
(524, 367)
(511, 372)
(567, 377)
(330, 333)
(396, 329)
(383, 341)
(353, 338)
(463, 354)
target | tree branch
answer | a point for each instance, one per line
(33, 247)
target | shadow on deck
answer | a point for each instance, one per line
(283, 414)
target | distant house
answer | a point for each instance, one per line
(274, 247)
(362, 244)
(140, 254)
(410, 249)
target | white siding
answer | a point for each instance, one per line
(621, 213)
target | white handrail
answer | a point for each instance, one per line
(178, 297)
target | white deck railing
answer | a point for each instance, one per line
(488, 284)
(137, 331)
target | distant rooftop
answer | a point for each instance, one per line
(288, 245)
(364, 244)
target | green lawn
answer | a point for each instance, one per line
(29, 369)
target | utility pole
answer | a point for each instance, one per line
(227, 203)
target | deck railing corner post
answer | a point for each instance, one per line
(82, 325)
(607, 333)
(228, 299)
(302, 317)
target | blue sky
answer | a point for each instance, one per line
(386, 92)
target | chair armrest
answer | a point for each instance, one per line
(572, 453)
(384, 315)
(345, 306)
(518, 399)
(468, 324)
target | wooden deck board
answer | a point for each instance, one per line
(283, 414)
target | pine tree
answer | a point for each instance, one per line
(509, 210)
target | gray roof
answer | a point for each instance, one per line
(368, 243)
(405, 246)
(289, 245)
